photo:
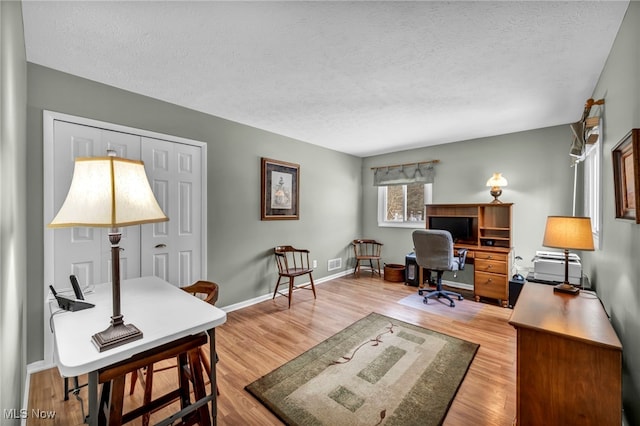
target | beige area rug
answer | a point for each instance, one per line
(441, 307)
(377, 371)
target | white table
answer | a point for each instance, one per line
(163, 313)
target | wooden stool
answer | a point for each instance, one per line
(187, 351)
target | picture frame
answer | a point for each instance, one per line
(280, 190)
(626, 178)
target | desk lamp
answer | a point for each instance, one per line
(568, 233)
(496, 182)
(110, 192)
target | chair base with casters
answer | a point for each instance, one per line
(292, 263)
(435, 253)
(439, 292)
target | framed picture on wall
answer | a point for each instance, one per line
(626, 167)
(280, 190)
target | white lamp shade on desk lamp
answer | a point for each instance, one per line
(108, 192)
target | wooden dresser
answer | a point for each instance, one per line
(569, 360)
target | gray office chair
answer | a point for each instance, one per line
(434, 252)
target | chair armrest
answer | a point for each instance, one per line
(462, 258)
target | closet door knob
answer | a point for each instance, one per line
(161, 245)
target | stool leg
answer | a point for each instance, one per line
(199, 391)
(148, 387)
(207, 365)
(183, 379)
(105, 396)
(134, 379)
(117, 399)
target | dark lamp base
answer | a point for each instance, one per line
(116, 335)
(566, 288)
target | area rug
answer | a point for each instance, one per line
(377, 371)
(441, 306)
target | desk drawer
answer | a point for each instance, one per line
(494, 286)
(485, 255)
(493, 266)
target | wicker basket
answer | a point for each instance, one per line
(393, 272)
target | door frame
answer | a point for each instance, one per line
(48, 120)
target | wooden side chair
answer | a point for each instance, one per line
(208, 292)
(292, 263)
(367, 250)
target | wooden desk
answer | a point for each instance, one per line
(569, 360)
(163, 313)
(489, 243)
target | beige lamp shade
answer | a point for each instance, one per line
(497, 180)
(568, 232)
(108, 192)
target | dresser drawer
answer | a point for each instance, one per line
(492, 266)
(490, 285)
(485, 255)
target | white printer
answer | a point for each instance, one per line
(549, 266)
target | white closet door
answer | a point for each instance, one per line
(171, 250)
(85, 252)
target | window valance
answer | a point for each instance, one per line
(403, 174)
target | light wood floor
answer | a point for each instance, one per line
(260, 338)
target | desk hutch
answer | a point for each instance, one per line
(489, 246)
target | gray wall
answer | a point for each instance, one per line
(239, 243)
(615, 268)
(535, 163)
(13, 258)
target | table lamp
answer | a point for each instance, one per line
(568, 233)
(110, 192)
(496, 182)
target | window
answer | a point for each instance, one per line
(403, 205)
(592, 178)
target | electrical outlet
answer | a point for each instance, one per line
(315, 264)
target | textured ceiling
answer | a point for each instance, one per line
(360, 77)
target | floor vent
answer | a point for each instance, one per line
(334, 264)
